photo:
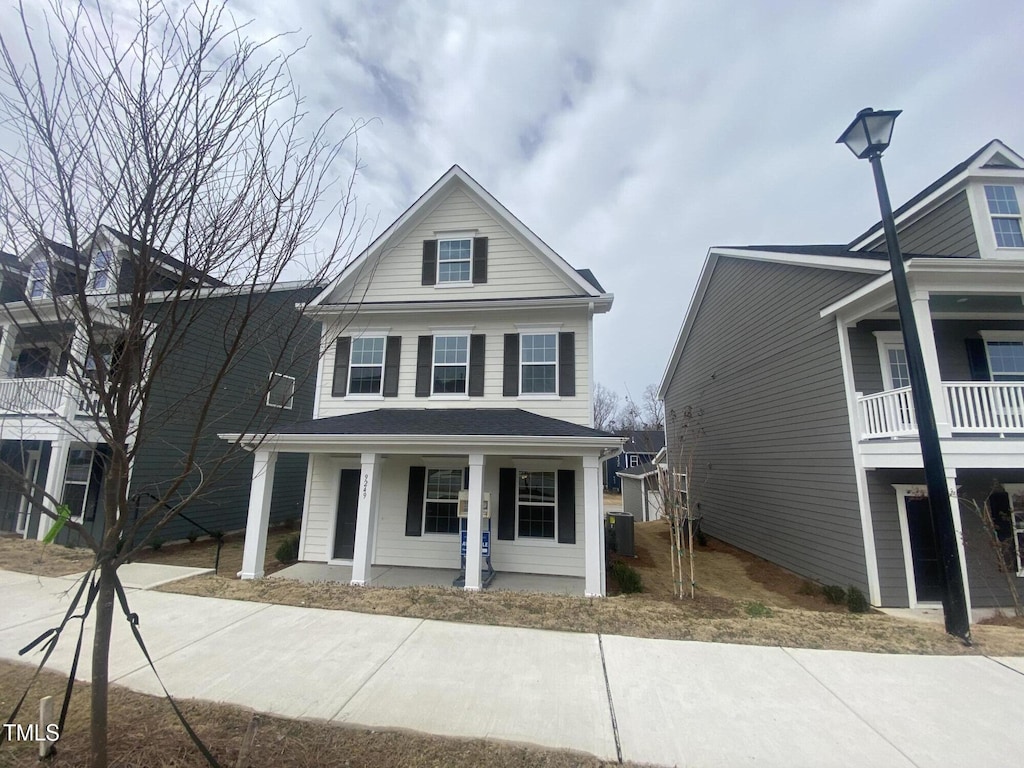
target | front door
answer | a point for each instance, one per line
(924, 550)
(345, 520)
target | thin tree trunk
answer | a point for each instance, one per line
(100, 665)
(689, 522)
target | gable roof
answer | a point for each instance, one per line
(455, 176)
(167, 260)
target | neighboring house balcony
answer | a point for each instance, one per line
(52, 396)
(969, 407)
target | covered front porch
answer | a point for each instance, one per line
(474, 493)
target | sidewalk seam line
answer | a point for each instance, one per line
(846, 706)
(611, 704)
(377, 669)
(1001, 664)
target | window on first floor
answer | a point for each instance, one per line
(76, 485)
(535, 505)
(441, 501)
(281, 392)
(1006, 360)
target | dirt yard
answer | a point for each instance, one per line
(147, 734)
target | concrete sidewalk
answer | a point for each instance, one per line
(657, 701)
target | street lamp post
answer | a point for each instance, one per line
(868, 137)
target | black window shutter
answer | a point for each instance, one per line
(429, 262)
(424, 349)
(392, 360)
(465, 479)
(507, 503)
(479, 259)
(566, 506)
(510, 381)
(567, 364)
(341, 355)
(977, 359)
(476, 364)
(414, 507)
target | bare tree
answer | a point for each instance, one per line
(647, 414)
(175, 133)
(606, 405)
(679, 488)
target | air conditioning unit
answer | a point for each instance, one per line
(464, 504)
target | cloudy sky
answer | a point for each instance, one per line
(631, 136)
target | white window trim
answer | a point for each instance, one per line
(290, 404)
(1017, 522)
(43, 280)
(433, 364)
(447, 237)
(887, 340)
(438, 467)
(537, 395)
(987, 336)
(902, 492)
(993, 216)
(533, 540)
(87, 483)
(379, 394)
(107, 272)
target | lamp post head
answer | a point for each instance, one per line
(869, 133)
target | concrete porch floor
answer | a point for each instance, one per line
(401, 576)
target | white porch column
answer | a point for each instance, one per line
(366, 519)
(258, 521)
(474, 523)
(593, 529)
(9, 334)
(55, 472)
(958, 530)
(923, 316)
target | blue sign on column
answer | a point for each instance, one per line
(485, 548)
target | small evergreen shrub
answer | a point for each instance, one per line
(834, 594)
(628, 579)
(288, 550)
(758, 611)
(856, 601)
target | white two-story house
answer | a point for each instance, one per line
(457, 358)
(791, 363)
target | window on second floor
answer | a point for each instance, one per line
(1006, 360)
(451, 365)
(281, 393)
(366, 367)
(1005, 212)
(539, 353)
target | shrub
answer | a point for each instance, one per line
(856, 601)
(758, 611)
(628, 579)
(702, 538)
(809, 588)
(834, 594)
(192, 536)
(288, 550)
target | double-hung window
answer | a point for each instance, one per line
(101, 265)
(450, 365)
(1005, 212)
(77, 479)
(1005, 359)
(536, 505)
(454, 260)
(37, 287)
(441, 501)
(539, 363)
(366, 367)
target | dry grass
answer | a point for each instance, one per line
(41, 559)
(145, 733)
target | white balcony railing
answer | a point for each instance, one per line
(975, 407)
(43, 397)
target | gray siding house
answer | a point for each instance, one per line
(49, 436)
(790, 367)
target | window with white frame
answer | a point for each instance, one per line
(899, 371)
(37, 280)
(101, 265)
(454, 260)
(1005, 212)
(441, 501)
(281, 392)
(535, 505)
(76, 484)
(366, 366)
(1005, 359)
(538, 363)
(450, 365)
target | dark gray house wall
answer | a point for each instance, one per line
(885, 522)
(761, 374)
(987, 584)
(946, 231)
(179, 390)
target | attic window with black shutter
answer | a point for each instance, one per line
(455, 259)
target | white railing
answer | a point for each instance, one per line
(47, 396)
(976, 407)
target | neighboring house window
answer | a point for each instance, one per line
(101, 270)
(32, 363)
(536, 505)
(1006, 360)
(539, 363)
(76, 483)
(366, 368)
(37, 280)
(1005, 211)
(634, 460)
(454, 260)
(281, 393)
(451, 365)
(441, 501)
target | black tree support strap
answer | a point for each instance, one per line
(133, 622)
(51, 636)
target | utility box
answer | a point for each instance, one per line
(619, 533)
